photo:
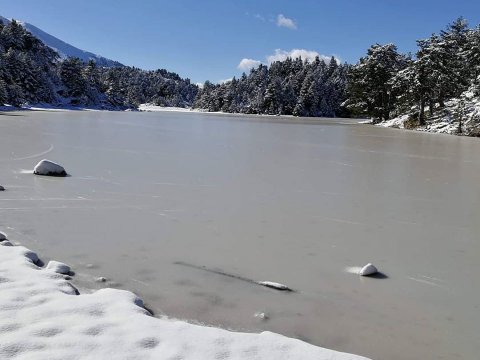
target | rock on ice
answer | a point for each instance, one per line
(2, 188)
(49, 168)
(3, 236)
(368, 269)
(58, 267)
(274, 285)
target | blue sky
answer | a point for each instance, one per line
(207, 39)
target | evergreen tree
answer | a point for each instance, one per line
(370, 81)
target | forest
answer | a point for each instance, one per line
(440, 80)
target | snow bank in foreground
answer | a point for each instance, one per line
(42, 318)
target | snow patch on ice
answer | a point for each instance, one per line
(368, 121)
(353, 270)
(42, 318)
(261, 316)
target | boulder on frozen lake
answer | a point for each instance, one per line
(3, 236)
(368, 269)
(58, 267)
(49, 168)
(2, 188)
(6, 243)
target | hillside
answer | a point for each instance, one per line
(32, 72)
(64, 49)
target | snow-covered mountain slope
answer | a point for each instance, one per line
(65, 50)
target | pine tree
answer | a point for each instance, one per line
(371, 88)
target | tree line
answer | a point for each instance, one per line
(31, 72)
(289, 87)
(383, 84)
(446, 66)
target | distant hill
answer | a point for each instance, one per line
(64, 49)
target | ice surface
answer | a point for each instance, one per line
(49, 168)
(42, 318)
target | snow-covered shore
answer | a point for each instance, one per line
(42, 316)
(446, 121)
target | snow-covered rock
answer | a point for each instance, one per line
(6, 243)
(41, 318)
(101, 279)
(274, 285)
(58, 267)
(2, 188)
(368, 269)
(3, 236)
(49, 168)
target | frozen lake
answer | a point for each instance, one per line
(296, 201)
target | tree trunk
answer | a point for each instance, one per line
(421, 115)
(431, 106)
(441, 100)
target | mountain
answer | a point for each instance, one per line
(65, 50)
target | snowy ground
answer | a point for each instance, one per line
(47, 107)
(444, 121)
(150, 107)
(43, 317)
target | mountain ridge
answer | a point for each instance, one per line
(63, 48)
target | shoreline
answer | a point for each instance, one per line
(432, 127)
(54, 319)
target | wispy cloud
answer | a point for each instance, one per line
(260, 17)
(283, 21)
(247, 64)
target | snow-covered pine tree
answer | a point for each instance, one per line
(370, 81)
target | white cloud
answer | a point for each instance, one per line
(283, 21)
(247, 64)
(282, 55)
(310, 55)
(225, 81)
